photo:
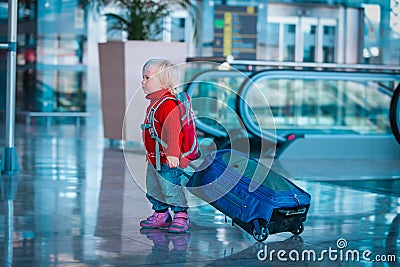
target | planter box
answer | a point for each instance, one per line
(120, 77)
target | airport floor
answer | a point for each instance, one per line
(76, 203)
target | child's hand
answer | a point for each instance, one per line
(172, 161)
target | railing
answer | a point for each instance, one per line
(315, 65)
(258, 65)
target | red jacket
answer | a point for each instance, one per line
(167, 123)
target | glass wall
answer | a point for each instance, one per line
(51, 56)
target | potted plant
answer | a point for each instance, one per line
(121, 62)
(142, 19)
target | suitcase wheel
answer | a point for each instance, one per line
(299, 229)
(260, 230)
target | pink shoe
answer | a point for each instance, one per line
(157, 220)
(180, 223)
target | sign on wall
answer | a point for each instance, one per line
(235, 31)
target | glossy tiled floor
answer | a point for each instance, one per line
(75, 203)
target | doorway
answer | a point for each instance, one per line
(304, 39)
(313, 33)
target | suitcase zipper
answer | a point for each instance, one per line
(228, 195)
(232, 195)
(297, 200)
(271, 198)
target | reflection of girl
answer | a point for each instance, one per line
(163, 185)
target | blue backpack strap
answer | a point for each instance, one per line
(153, 131)
(191, 149)
(145, 126)
(183, 98)
(158, 159)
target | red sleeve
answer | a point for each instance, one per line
(169, 118)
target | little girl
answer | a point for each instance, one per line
(164, 190)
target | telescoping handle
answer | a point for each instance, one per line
(187, 175)
(186, 178)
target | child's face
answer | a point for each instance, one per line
(150, 82)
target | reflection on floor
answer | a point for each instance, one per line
(76, 203)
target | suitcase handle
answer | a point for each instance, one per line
(293, 212)
(187, 175)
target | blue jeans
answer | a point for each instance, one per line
(164, 188)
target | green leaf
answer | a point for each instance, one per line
(142, 19)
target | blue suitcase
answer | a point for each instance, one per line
(255, 197)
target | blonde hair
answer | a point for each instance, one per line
(166, 72)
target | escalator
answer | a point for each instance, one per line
(323, 114)
(304, 114)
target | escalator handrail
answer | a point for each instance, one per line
(303, 75)
(208, 73)
(327, 75)
(395, 113)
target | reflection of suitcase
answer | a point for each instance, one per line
(226, 180)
